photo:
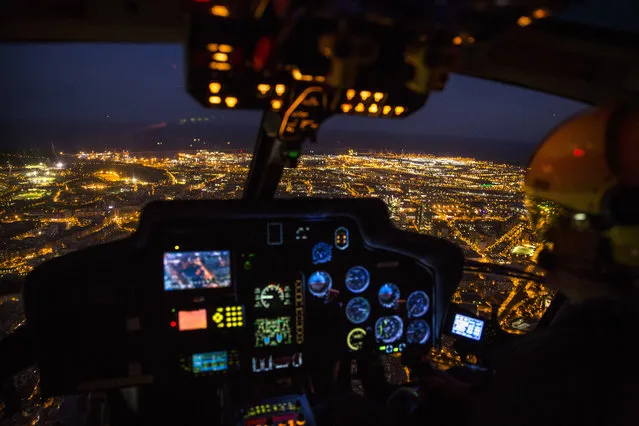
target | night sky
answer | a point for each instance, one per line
(145, 83)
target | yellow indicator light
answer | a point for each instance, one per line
(225, 48)
(263, 88)
(280, 89)
(215, 87)
(457, 40)
(212, 47)
(524, 21)
(541, 13)
(307, 77)
(399, 110)
(276, 104)
(365, 94)
(373, 109)
(230, 102)
(220, 57)
(378, 96)
(386, 110)
(359, 107)
(297, 75)
(215, 100)
(176, 247)
(347, 107)
(350, 94)
(219, 10)
(220, 66)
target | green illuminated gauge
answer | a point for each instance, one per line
(272, 296)
(355, 339)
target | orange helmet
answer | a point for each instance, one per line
(586, 172)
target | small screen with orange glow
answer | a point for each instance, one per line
(192, 320)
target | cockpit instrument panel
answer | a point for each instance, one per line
(261, 284)
(256, 293)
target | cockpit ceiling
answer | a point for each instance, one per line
(564, 59)
(560, 57)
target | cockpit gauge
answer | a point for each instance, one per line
(357, 279)
(389, 329)
(322, 253)
(417, 332)
(272, 296)
(417, 304)
(319, 283)
(388, 295)
(358, 310)
(342, 238)
(355, 339)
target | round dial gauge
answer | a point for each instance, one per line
(319, 283)
(355, 339)
(389, 329)
(388, 295)
(358, 310)
(272, 296)
(418, 332)
(322, 253)
(417, 304)
(357, 279)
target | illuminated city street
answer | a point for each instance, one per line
(49, 209)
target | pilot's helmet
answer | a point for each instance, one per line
(585, 178)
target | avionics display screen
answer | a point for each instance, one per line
(192, 320)
(272, 297)
(467, 327)
(197, 270)
(210, 361)
(271, 332)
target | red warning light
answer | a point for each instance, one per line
(261, 53)
(173, 324)
(578, 152)
(201, 1)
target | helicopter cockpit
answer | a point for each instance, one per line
(252, 312)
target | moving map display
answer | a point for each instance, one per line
(197, 270)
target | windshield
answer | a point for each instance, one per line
(453, 170)
(91, 133)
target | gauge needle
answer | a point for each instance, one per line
(267, 297)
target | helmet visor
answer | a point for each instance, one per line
(545, 215)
